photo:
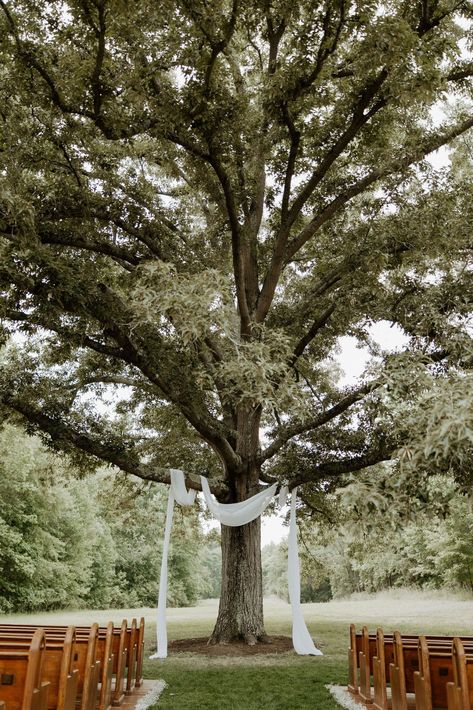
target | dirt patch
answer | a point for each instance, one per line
(274, 644)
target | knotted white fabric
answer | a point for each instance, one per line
(234, 515)
(283, 493)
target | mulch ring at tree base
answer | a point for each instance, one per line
(274, 644)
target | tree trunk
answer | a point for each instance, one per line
(240, 615)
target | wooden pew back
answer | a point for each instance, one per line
(119, 651)
(353, 686)
(20, 676)
(57, 665)
(460, 691)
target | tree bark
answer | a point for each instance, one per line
(240, 615)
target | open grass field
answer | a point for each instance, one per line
(283, 681)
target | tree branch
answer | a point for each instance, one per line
(429, 146)
(139, 347)
(295, 137)
(111, 380)
(237, 255)
(328, 45)
(359, 119)
(108, 130)
(461, 71)
(95, 78)
(66, 437)
(288, 432)
(319, 323)
(339, 467)
(118, 254)
(70, 336)
(275, 35)
(219, 47)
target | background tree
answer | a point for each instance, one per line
(391, 529)
(198, 199)
(71, 541)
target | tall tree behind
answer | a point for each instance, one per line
(198, 199)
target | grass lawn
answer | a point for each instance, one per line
(275, 682)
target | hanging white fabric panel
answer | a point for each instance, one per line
(177, 491)
(301, 638)
(234, 515)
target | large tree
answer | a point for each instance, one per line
(199, 197)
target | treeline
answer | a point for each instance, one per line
(69, 539)
(382, 531)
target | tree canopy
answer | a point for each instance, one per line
(199, 198)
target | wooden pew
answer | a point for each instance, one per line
(84, 658)
(120, 654)
(367, 653)
(365, 662)
(132, 640)
(139, 653)
(127, 651)
(126, 641)
(460, 691)
(380, 673)
(20, 676)
(353, 686)
(387, 663)
(119, 658)
(91, 672)
(112, 653)
(429, 682)
(100, 668)
(57, 668)
(356, 641)
(397, 675)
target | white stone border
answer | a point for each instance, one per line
(152, 697)
(343, 697)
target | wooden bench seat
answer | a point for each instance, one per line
(372, 655)
(460, 691)
(21, 687)
(84, 660)
(127, 652)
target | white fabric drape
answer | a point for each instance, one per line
(177, 491)
(234, 515)
(301, 638)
